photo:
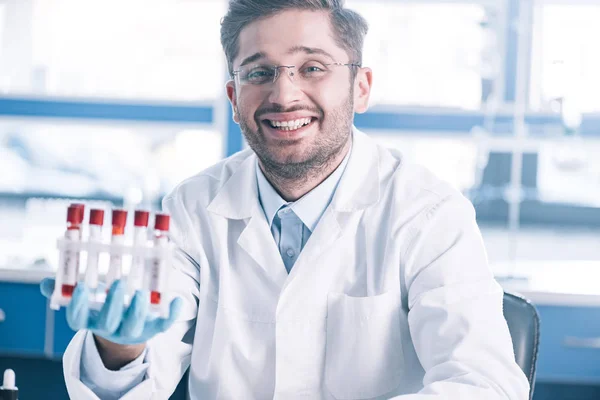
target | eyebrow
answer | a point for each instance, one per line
(310, 50)
(254, 57)
(294, 50)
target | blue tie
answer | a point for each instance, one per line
(288, 233)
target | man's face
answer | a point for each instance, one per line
(298, 123)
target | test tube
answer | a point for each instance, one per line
(115, 265)
(80, 216)
(157, 266)
(140, 234)
(68, 264)
(91, 272)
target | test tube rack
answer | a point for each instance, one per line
(149, 252)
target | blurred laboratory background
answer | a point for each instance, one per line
(114, 102)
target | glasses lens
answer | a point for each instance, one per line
(257, 75)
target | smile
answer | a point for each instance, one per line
(290, 125)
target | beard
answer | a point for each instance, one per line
(333, 135)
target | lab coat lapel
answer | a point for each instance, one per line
(256, 239)
(238, 200)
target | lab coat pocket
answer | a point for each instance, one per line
(364, 349)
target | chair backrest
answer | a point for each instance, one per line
(524, 325)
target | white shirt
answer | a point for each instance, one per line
(391, 296)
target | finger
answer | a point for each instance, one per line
(111, 313)
(78, 310)
(134, 318)
(162, 324)
(47, 287)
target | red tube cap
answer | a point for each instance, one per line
(96, 217)
(141, 218)
(80, 207)
(119, 218)
(75, 215)
(161, 222)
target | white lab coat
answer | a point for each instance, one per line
(391, 296)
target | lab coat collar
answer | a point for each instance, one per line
(358, 187)
(238, 197)
(311, 207)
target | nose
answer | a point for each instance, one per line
(284, 90)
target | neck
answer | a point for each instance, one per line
(293, 189)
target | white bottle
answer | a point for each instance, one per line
(9, 390)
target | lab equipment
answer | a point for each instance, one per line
(9, 390)
(140, 236)
(115, 268)
(118, 250)
(68, 265)
(157, 274)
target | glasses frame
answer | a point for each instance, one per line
(236, 73)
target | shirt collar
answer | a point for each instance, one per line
(310, 207)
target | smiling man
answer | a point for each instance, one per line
(315, 264)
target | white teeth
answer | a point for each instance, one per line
(290, 125)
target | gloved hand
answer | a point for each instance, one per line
(115, 322)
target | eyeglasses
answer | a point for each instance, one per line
(310, 73)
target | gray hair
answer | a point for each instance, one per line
(349, 27)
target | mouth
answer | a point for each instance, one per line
(290, 129)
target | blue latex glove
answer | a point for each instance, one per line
(115, 322)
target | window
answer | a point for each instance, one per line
(103, 160)
(565, 60)
(433, 55)
(569, 172)
(140, 50)
(451, 159)
(2, 23)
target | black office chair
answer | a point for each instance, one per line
(524, 326)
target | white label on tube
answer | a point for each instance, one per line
(158, 266)
(139, 239)
(70, 265)
(115, 268)
(91, 273)
(134, 280)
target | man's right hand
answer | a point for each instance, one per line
(121, 332)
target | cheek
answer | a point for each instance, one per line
(246, 111)
(333, 97)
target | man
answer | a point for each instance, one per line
(317, 264)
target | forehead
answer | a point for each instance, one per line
(276, 35)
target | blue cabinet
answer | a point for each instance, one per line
(23, 330)
(569, 345)
(62, 333)
(28, 327)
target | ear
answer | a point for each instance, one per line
(231, 95)
(362, 89)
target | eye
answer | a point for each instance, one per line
(259, 75)
(313, 70)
